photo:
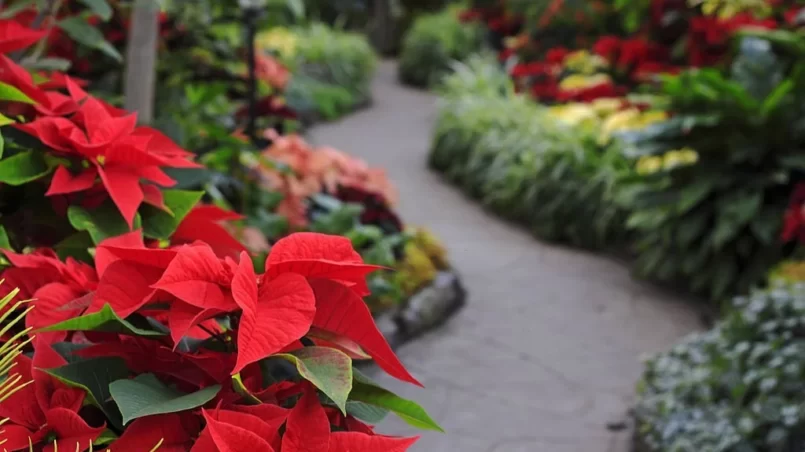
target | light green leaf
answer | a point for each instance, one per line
(48, 64)
(104, 320)
(94, 376)
(9, 92)
(367, 413)
(23, 168)
(160, 224)
(84, 33)
(145, 395)
(99, 8)
(366, 391)
(328, 369)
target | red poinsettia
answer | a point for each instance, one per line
(45, 414)
(709, 37)
(109, 148)
(14, 36)
(794, 221)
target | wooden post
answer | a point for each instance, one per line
(141, 57)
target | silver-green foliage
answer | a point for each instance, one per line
(737, 387)
(508, 151)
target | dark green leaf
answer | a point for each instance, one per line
(24, 167)
(101, 223)
(94, 376)
(4, 242)
(368, 413)
(84, 33)
(49, 64)
(145, 395)
(104, 320)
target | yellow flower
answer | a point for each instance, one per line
(279, 39)
(579, 81)
(584, 62)
(606, 106)
(622, 120)
(679, 157)
(573, 113)
(515, 42)
(652, 117)
(788, 272)
(649, 164)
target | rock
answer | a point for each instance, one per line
(432, 305)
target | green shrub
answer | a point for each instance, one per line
(523, 164)
(738, 387)
(335, 57)
(714, 226)
(434, 41)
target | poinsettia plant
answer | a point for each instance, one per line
(179, 349)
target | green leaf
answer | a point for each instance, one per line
(76, 246)
(160, 224)
(364, 390)
(368, 413)
(101, 223)
(4, 242)
(99, 8)
(94, 376)
(23, 168)
(145, 395)
(240, 388)
(9, 92)
(4, 121)
(84, 33)
(328, 369)
(104, 320)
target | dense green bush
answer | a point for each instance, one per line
(738, 387)
(522, 163)
(714, 226)
(434, 41)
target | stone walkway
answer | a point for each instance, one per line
(547, 351)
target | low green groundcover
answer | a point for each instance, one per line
(738, 387)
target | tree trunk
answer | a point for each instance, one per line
(382, 26)
(141, 56)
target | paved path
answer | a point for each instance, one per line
(548, 349)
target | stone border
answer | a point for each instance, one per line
(429, 308)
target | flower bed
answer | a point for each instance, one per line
(157, 298)
(649, 132)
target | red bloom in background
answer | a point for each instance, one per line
(793, 16)
(709, 37)
(556, 55)
(608, 47)
(110, 149)
(794, 220)
(589, 94)
(14, 36)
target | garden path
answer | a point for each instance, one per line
(547, 351)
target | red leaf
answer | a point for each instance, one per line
(14, 36)
(360, 442)
(125, 287)
(319, 256)
(195, 276)
(124, 188)
(176, 431)
(341, 311)
(244, 284)
(273, 415)
(51, 306)
(282, 313)
(65, 182)
(153, 196)
(70, 429)
(130, 247)
(182, 317)
(307, 429)
(232, 438)
(202, 224)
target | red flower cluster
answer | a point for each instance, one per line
(709, 37)
(794, 220)
(312, 288)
